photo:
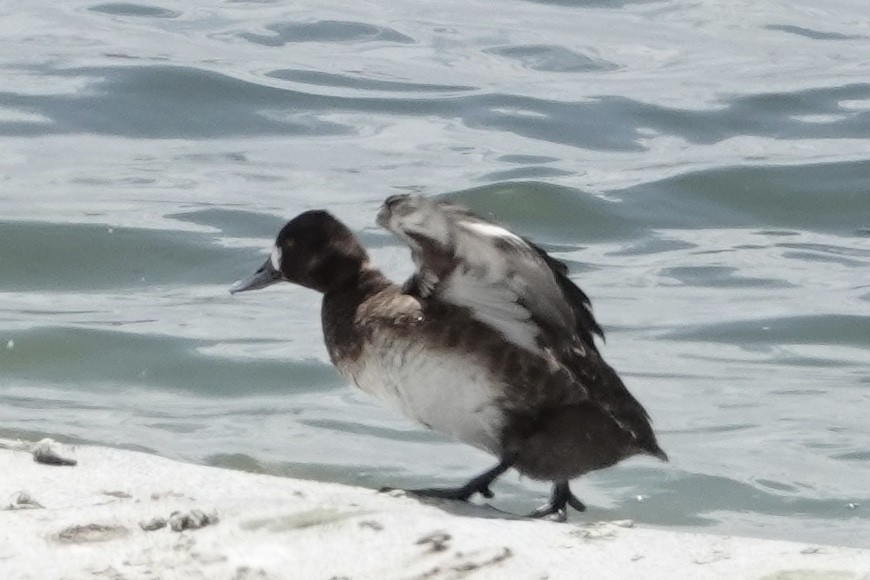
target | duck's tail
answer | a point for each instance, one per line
(656, 451)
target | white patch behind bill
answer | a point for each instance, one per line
(275, 257)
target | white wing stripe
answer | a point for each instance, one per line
(490, 230)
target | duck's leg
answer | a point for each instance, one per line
(479, 484)
(559, 499)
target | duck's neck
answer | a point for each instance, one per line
(338, 313)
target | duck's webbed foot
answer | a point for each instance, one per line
(479, 484)
(556, 509)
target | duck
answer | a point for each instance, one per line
(488, 342)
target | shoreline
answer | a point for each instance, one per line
(86, 522)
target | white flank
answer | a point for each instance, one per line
(447, 392)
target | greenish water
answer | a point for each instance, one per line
(702, 168)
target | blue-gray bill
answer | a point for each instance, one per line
(265, 276)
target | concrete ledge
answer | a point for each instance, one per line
(86, 521)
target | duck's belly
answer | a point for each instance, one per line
(447, 391)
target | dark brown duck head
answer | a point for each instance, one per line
(314, 250)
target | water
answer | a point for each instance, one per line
(703, 167)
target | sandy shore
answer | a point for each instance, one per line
(89, 526)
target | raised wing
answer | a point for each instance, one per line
(506, 281)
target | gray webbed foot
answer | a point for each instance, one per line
(557, 508)
(479, 484)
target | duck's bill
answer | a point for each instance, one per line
(265, 276)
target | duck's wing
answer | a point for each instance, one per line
(506, 281)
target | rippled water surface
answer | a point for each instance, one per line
(703, 167)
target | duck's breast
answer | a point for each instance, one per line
(446, 390)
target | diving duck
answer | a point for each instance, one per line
(488, 342)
